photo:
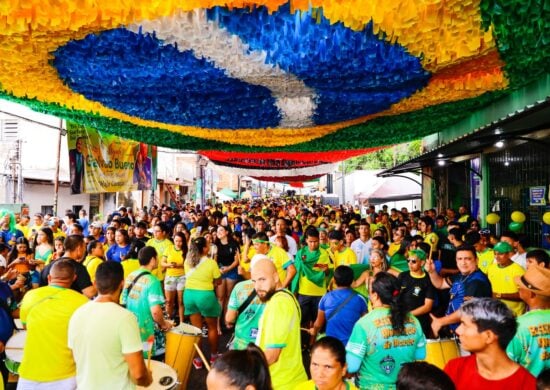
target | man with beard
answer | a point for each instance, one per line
(279, 328)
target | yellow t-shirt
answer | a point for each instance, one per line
(46, 312)
(24, 229)
(306, 287)
(394, 247)
(161, 247)
(59, 233)
(502, 281)
(172, 255)
(281, 259)
(279, 327)
(485, 259)
(345, 257)
(129, 266)
(251, 252)
(432, 239)
(202, 276)
(91, 263)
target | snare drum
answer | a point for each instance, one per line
(440, 351)
(180, 350)
(14, 351)
(164, 377)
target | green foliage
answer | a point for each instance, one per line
(385, 158)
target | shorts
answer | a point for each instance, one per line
(233, 274)
(173, 283)
(201, 301)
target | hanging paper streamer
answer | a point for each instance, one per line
(269, 75)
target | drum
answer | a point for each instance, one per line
(180, 350)
(440, 351)
(14, 351)
(164, 377)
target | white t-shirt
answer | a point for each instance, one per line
(3, 261)
(521, 259)
(362, 250)
(100, 334)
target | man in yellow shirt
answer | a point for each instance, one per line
(314, 270)
(502, 273)
(161, 243)
(279, 328)
(45, 313)
(341, 255)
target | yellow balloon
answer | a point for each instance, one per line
(493, 218)
(518, 216)
(546, 217)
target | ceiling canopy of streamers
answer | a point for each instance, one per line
(269, 84)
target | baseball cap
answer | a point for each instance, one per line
(503, 247)
(96, 225)
(536, 279)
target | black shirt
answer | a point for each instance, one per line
(414, 291)
(226, 253)
(81, 282)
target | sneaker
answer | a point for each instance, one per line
(197, 363)
(214, 357)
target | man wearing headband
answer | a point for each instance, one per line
(530, 347)
(280, 258)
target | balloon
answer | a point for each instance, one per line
(546, 217)
(493, 218)
(518, 216)
(515, 226)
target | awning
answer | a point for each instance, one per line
(229, 193)
(392, 189)
(531, 124)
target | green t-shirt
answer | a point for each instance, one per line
(280, 328)
(530, 347)
(246, 327)
(146, 293)
(382, 353)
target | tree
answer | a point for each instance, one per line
(385, 158)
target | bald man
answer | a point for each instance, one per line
(45, 312)
(279, 327)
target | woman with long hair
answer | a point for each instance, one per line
(174, 281)
(202, 274)
(43, 245)
(385, 338)
(228, 252)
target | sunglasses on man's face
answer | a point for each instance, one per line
(412, 261)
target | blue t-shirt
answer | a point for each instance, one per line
(116, 253)
(85, 223)
(475, 285)
(6, 320)
(341, 324)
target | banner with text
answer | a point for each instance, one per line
(101, 162)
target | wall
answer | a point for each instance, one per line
(37, 195)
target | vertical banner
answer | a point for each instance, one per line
(101, 162)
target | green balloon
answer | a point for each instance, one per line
(515, 226)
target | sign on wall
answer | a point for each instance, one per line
(101, 162)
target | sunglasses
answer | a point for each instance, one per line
(413, 261)
(485, 231)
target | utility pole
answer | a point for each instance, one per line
(56, 179)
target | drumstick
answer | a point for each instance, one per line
(202, 356)
(150, 341)
(14, 348)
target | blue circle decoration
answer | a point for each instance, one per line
(351, 73)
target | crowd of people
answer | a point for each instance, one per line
(317, 297)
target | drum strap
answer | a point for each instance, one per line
(247, 302)
(4, 306)
(131, 285)
(341, 305)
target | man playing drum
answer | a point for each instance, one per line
(469, 283)
(104, 338)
